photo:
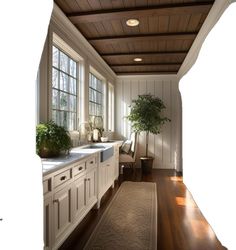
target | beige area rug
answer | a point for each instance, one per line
(130, 220)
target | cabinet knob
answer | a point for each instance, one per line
(63, 178)
(91, 162)
(88, 179)
(56, 201)
(80, 168)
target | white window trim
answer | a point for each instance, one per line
(62, 45)
(66, 48)
(111, 110)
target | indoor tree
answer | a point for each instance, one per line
(146, 115)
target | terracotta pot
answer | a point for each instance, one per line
(48, 153)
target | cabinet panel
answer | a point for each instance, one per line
(62, 205)
(80, 195)
(91, 186)
(47, 223)
(102, 178)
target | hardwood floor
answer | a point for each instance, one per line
(181, 225)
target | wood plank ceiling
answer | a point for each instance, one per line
(166, 31)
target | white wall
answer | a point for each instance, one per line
(209, 134)
(165, 146)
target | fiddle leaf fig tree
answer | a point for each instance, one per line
(146, 115)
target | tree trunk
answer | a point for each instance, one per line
(147, 141)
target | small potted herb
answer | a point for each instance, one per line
(52, 140)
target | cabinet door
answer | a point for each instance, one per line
(47, 213)
(91, 186)
(80, 196)
(116, 162)
(102, 178)
(62, 208)
(110, 172)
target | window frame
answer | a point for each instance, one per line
(111, 107)
(96, 104)
(62, 46)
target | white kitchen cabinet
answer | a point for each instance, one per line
(70, 192)
(62, 212)
(85, 193)
(47, 223)
(80, 196)
(91, 187)
(105, 177)
(116, 161)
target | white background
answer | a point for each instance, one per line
(24, 27)
(209, 126)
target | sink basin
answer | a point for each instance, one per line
(106, 153)
(95, 146)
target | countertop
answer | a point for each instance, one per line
(78, 153)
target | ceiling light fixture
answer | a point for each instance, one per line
(137, 59)
(132, 22)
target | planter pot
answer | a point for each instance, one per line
(146, 164)
(45, 152)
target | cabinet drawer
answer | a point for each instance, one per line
(78, 168)
(91, 162)
(62, 178)
(47, 186)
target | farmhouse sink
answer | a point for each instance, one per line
(105, 153)
(95, 146)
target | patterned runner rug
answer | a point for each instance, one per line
(130, 220)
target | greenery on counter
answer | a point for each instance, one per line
(52, 140)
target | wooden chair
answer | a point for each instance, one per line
(128, 159)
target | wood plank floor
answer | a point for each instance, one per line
(181, 225)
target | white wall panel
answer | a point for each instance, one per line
(161, 146)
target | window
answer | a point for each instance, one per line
(95, 100)
(110, 107)
(64, 89)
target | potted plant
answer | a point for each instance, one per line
(52, 140)
(146, 116)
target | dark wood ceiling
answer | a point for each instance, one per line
(162, 39)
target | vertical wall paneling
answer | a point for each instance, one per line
(127, 102)
(161, 146)
(151, 147)
(158, 137)
(166, 131)
(118, 100)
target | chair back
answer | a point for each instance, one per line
(134, 144)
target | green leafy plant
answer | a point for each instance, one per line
(146, 115)
(51, 140)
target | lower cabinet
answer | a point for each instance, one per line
(80, 195)
(116, 161)
(47, 223)
(72, 195)
(62, 212)
(85, 193)
(91, 187)
(69, 194)
(105, 177)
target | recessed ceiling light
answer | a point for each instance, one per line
(138, 59)
(132, 22)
